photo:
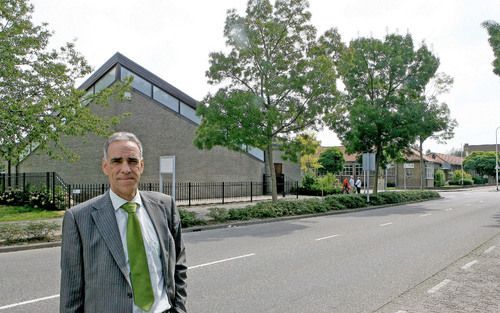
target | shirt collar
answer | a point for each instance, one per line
(118, 201)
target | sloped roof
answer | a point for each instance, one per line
(445, 158)
(413, 155)
(119, 58)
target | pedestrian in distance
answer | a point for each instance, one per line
(358, 184)
(122, 252)
(345, 186)
(351, 184)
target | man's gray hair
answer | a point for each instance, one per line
(122, 136)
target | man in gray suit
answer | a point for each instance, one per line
(101, 269)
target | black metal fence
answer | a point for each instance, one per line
(49, 183)
(186, 193)
(192, 193)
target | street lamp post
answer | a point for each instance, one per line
(496, 156)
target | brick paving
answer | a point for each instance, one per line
(471, 284)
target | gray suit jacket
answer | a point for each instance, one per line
(94, 275)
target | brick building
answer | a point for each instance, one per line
(164, 119)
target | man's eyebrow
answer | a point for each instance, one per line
(117, 159)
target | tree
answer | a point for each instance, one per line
(274, 82)
(481, 162)
(38, 101)
(331, 160)
(383, 82)
(431, 118)
(493, 29)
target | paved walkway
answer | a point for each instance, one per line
(471, 284)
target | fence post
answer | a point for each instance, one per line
(69, 196)
(222, 192)
(251, 191)
(284, 187)
(3, 182)
(24, 182)
(189, 193)
(297, 188)
(47, 181)
(54, 188)
(102, 188)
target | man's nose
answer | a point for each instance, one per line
(125, 168)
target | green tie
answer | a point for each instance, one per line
(139, 271)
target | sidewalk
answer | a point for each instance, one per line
(471, 284)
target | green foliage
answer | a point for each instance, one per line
(218, 214)
(308, 181)
(37, 199)
(383, 82)
(38, 101)
(189, 218)
(439, 178)
(36, 231)
(331, 160)
(494, 40)
(481, 162)
(460, 177)
(479, 180)
(274, 81)
(11, 213)
(327, 183)
(283, 208)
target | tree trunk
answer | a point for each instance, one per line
(270, 166)
(422, 169)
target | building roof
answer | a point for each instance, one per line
(445, 158)
(479, 148)
(122, 60)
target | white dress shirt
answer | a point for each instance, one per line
(151, 246)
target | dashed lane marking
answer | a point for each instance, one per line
(27, 302)
(439, 286)
(469, 265)
(220, 261)
(327, 237)
(489, 249)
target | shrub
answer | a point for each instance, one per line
(18, 232)
(218, 214)
(37, 199)
(352, 201)
(479, 180)
(189, 219)
(439, 178)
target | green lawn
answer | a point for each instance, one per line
(25, 213)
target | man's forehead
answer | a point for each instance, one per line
(123, 147)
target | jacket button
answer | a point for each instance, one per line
(129, 294)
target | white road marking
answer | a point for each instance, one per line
(490, 249)
(424, 215)
(449, 209)
(327, 237)
(468, 265)
(439, 286)
(27, 302)
(386, 224)
(220, 261)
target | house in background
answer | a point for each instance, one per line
(402, 175)
(164, 119)
(468, 149)
(447, 163)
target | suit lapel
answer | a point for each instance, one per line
(105, 221)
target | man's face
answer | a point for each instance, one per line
(123, 167)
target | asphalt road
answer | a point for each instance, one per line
(345, 263)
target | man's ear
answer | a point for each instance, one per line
(105, 167)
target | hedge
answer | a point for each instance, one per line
(282, 208)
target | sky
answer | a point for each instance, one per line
(173, 39)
